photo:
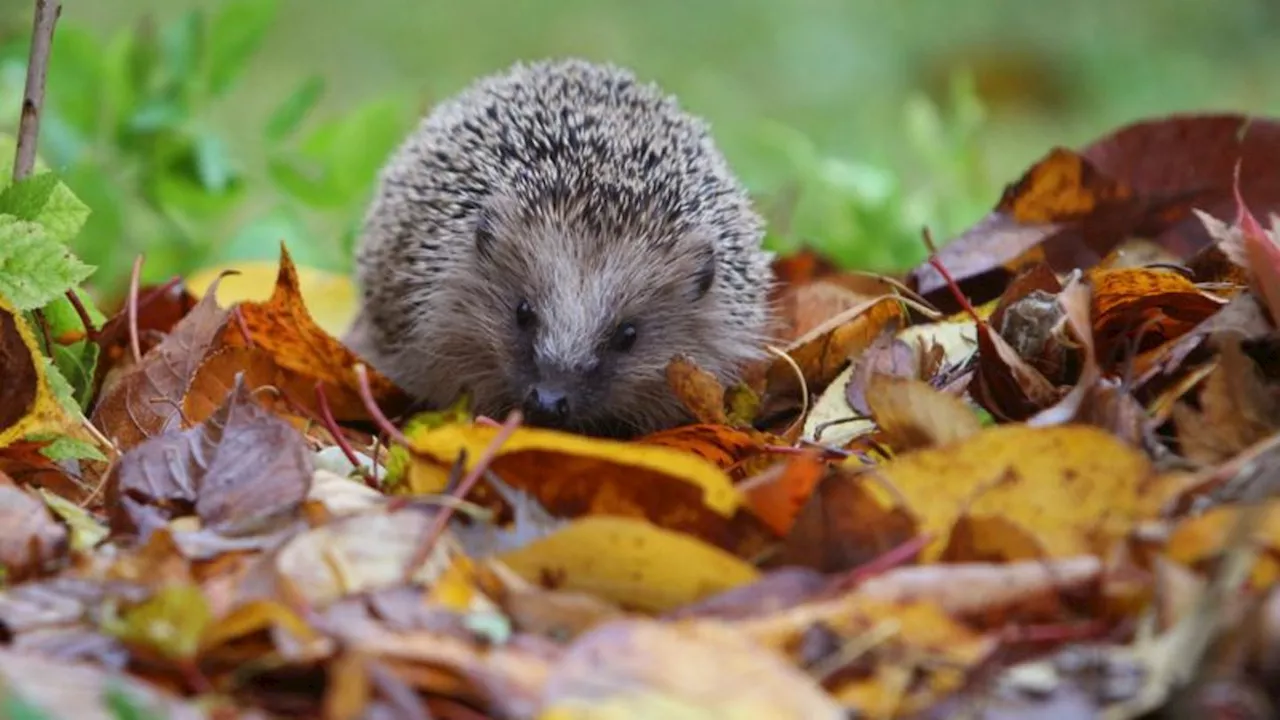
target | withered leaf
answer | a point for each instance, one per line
(283, 327)
(1072, 208)
(145, 399)
(843, 526)
(1005, 384)
(241, 471)
(30, 538)
(1238, 407)
(912, 414)
(698, 389)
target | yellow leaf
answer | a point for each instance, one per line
(630, 562)
(1199, 541)
(171, 622)
(593, 455)
(253, 616)
(1019, 492)
(329, 297)
(27, 401)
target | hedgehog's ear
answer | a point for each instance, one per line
(485, 234)
(706, 272)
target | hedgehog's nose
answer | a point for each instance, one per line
(546, 406)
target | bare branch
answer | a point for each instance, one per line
(47, 12)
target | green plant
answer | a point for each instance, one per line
(127, 124)
(869, 216)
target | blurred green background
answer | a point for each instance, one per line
(200, 132)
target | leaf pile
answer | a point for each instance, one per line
(1036, 475)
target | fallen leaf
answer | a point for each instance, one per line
(241, 471)
(1071, 209)
(1237, 407)
(1013, 492)
(1200, 541)
(777, 493)
(330, 298)
(144, 399)
(572, 475)
(80, 690)
(844, 525)
(699, 390)
(737, 451)
(992, 595)
(358, 553)
(27, 401)
(824, 351)
(31, 540)
(914, 415)
(1160, 305)
(282, 326)
(634, 668)
(628, 562)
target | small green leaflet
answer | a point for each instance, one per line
(35, 267)
(44, 200)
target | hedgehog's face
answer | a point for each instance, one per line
(588, 324)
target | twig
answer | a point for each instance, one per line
(441, 520)
(133, 309)
(90, 332)
(331, 425)
(46, 17)
(375, 412)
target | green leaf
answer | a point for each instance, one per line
(65, 447)
(76, 78)
(86, 532)
(62, 390)
(213, 163)
(180, 50)
(34, 267)
(14, 707)
(235, 32)
(286, 118)
(124, 707)
(77, 363)
(27, 198)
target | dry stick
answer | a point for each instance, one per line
(441, 520)
(90, 332)
(133, 309)
(46, 17)
(375, 412)
(331, 425)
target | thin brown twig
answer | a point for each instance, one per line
(330, 424)
(46, 17)
(468, 482)
(132, 308)
(90, 332)
(375, 412)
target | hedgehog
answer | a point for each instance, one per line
(549, 239)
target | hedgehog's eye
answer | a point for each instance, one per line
(624, 337)
(525, 316)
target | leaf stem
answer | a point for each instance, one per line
(133, 309)
(330, 424)
(46, 17)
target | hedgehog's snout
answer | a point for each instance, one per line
(547, 405)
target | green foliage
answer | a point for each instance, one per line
(129, 123)
(866, 216)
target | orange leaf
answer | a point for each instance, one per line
(283, 328)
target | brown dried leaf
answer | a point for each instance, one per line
(1071, 209)
(638, 668)
(79, 690)
(699, 390)
(30, 538)
(283, 328)
(144, 400)
(913, 415)
(843, 526)
(1238, 407)
(1005, 384)
(241, 471)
